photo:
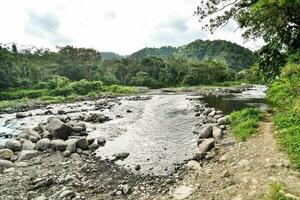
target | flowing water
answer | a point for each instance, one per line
(157, 133)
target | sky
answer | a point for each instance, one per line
(121, 26)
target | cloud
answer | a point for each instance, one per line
(45, 26)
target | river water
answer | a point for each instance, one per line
(157, 133)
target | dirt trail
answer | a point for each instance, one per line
(243, 170)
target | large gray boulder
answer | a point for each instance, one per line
(82, 143)
(6, 154)
(13, 145)
(121, 155)
(59, 145)
(206, 144)
(59, 129)
(223, 120)
(28, 133)
(28, 154)
(43, 144)
(205, 131)
(217, 133)
(6, 164)
(79, 127)
(28, 145)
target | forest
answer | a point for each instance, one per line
(200, 62)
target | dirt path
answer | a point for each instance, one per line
(243, 170)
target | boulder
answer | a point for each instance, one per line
(59, 145)
(13, 145)
(67, 153)
(6, 164)
(217, 133)
(205, 131)
(20, 115)
(223, 120)
(43, 144)
(206, 144)
(82, 143)
(81, 125)
(121, 155)
(27, 133)
(94, 146)
(101, 140)
(59, 129)
(126, 189)
(193, 165)
(71, 145)
(28, 154)
(28, 145)
(6, 154)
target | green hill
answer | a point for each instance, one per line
(110, 56)
(231, 54)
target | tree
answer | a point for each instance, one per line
(277, 22)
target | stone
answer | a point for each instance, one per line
(13, 145)
(28, 154)
(121, 155)
(43, 144)
(217, 133)
(6, 164)
(126, 189)
(71, 145)
(90, 140)
(225, 174)
(27, 133)
(94, 146)
(33, 139)
(61, 112)
(67, 153)
(67, 194)
(28, 145)
(198, 155)
(182, 192)
(59, 145)
(6, 154)
(59, 129)
(20, 115)
(205, 131)
(223, 120)
(75, 156)
(206, 144)
(42, 197)
(81, 125)
(82, 143)
(101, 140)
(193, 165)
(137, 167)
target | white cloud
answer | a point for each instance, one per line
(122, 26)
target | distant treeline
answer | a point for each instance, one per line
(29, 67)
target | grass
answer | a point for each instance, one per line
(276, 193)
(244, 123)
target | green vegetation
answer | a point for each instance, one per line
(245, 122)
(276, 193)
(227, 53)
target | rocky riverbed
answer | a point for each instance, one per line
(113, 148)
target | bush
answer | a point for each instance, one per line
(62, 91)
(84, 87)
(20, 94)
(58, 81)
(117, 89)
(41, 85)
(245, 122)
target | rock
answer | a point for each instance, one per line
(6, 164)
(206, 145)
(198, 155)
(217, 133)
(101, 140)
(82, 143)
(225, 174)
(13, 145)
(47, 134)
(223, 120)
(59, 129)
(59, 145)
(129, 111)
(27, 133)
(137, 167)
(75, 156)
(71, 145)
(43, 144)
(67, 194)
(193, 165)
(28, 154)
(20, 115)
(81, 125)
(94, 146)
(67, 153)
(28, 145)
(121, 155)
(33, 139)
(205, 132)
(42, 197)
(6, 154)
(126, 189)
(61, 112)
(90, 140)
(182, 192)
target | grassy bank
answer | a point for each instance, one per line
(61, 90)
(244, 123)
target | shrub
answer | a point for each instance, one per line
(20, 94)
(62, 91)
(41, 85)
(245, 122)
(84, 87)
(58, 81)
